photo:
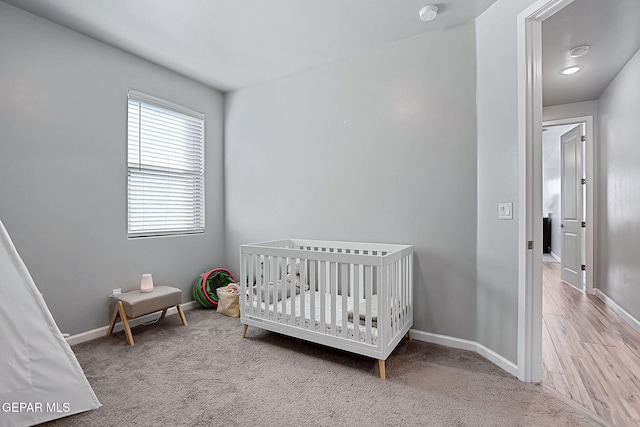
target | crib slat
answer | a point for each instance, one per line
(391, 326)
(242, 284)
(391, 296)
(385, 293)
(323, 281)
(410, 286)
(404, 291)
(277, 293)
(265, 286)
(259, 280)
(246, 278)
(286, 307)
(281, 306)
(254, 282)
(400, 303)
(333, 277)
(357, 276)
(303, 292)
(383, 324)
(344, 289)
(368, 285)
(269, 308)
(399, 297)
(256, 278)
(361, 284)
(394, 298)
(278, 289)
(286, 302)
(273, 306)
(249, 283)
(312, 296)
(292, 287)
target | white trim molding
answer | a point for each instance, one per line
(102, 331)
(635, 323)
(461, 344)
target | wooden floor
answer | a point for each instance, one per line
(589, 354)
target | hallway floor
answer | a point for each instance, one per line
(589, 353)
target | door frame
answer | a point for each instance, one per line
(529, 70)
(589, 152)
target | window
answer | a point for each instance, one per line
(165, 168)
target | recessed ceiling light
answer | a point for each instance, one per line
(578, 51)
(428, 13)
(571, 70)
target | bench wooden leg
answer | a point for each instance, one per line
(164, 312)
(114, 318)
(119, 311)
(383, 374)
(244, 330)
(125, 323)
(181, 313)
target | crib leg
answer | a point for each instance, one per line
(244, 330)
(383, 374)
(409, 335)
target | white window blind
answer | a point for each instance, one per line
(165, 168)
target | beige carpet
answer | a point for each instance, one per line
(205, 374)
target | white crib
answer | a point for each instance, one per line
(313, 290)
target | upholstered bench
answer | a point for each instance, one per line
(135, 304)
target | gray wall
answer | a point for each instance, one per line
(618, 272)
(379, 148)
(498, 156)
(570, 111)
(498, 163)
(63, 100)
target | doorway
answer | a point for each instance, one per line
(564, 196)
(592, 364)
(531, 227)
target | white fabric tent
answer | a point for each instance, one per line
(40, 377)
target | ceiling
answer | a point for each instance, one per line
(228, 44)
(611, 30)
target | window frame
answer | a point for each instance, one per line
(198, 212)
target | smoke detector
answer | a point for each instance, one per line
(578, 51)
(428, 13)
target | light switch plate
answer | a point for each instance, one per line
(505, 210)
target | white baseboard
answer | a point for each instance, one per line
(556, 257)
(635, 324)
(444, 340)
(461, 344)
(101, 332)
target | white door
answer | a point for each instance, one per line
(572, 206)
